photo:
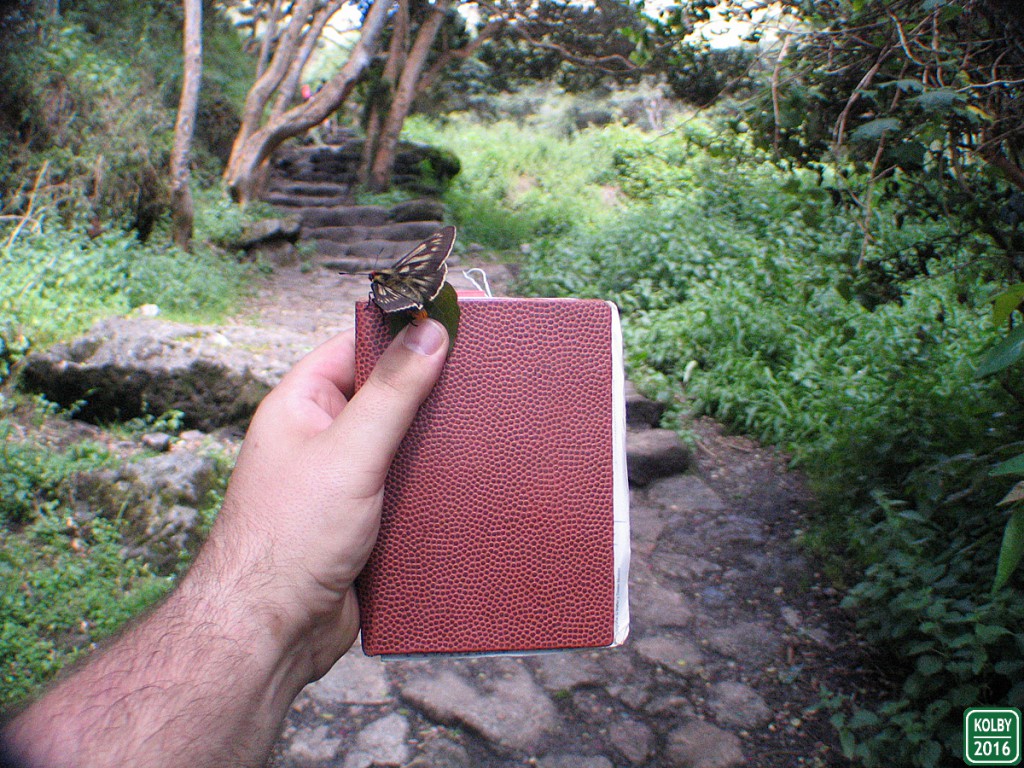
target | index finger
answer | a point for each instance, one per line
(334, 360)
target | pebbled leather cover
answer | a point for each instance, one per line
(497, 526)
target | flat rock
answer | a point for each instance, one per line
(514, 714)
(654, 453)
(641, 411)
(633, 739)
(684, 567)
(128, 367)
(681, 657)
(659, 606)
(354, 679)
(738, 704)
(312, 746)
(574, 761)
(565, 671)
(383, 742)
(645, 527)
(441, 753)
(698, 744)
(749, 641)
(683, 493)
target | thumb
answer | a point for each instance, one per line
(372, 425)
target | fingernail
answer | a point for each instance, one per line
(425, 338)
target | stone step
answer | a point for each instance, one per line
(305, 201)
(315, 190)
(344, 216)
(319, 174)
(376, 252)
(422, 209)
(405, 231)
(642, 411)
(654, 453)
(347, 153)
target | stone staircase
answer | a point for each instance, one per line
(317, 185)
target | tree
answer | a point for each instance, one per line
(182, 212)
(925, 100)
(381, 87)
(406, 76)
(256, 139)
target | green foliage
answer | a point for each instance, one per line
(739, 284)
(520, 184)
(63, 585)
(29, 475)
(925, 96)
(65, 582)
(392, 197)
(92, 94)
(1006, 357)
(56, 284)
(62, 589)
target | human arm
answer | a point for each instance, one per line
(206, 678)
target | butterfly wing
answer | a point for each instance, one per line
(417, 277)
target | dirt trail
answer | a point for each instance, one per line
(733, 631)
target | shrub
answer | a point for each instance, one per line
(738, 285)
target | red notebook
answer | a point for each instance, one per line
(505, 526)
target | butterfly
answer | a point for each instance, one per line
(416, 278)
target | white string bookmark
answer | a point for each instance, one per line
(486, 288)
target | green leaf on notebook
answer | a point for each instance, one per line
(444, 308)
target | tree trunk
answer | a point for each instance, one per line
(268, 36)
(251, 150)
(181, 195)
(398, 50)
(269, 81)
(291, 80)
(405, 93)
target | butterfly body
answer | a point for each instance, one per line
(416, 278)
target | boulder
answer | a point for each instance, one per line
(157, 497)
(654, 453)
(424, 209)
(129, 367)
(641, 411)
(269, 230)
(272, 240)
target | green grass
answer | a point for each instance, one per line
(740, 290)
(65, 582)
(520, 184)
(55, 284)
(63, 588)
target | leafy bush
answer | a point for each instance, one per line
(738, 284)
(56, 284)
(517, 184)
(91, 95)
(62, 589)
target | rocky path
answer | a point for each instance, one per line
(733, 632)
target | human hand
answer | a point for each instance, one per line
(302, 509)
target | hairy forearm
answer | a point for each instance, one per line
(191, 684)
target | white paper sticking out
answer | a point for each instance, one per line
(621, 485)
